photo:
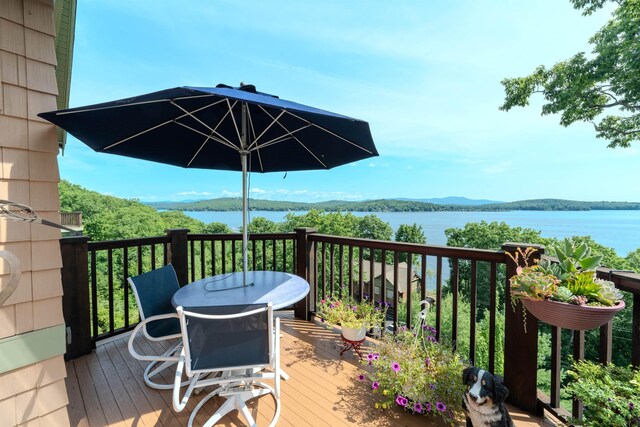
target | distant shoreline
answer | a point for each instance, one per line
(390, 205)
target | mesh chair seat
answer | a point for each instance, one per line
(239, 345)
(158, 320)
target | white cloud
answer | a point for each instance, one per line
(194, 193)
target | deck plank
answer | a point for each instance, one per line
(106, 388)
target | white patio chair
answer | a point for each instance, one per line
(240, 345)
(158, 320)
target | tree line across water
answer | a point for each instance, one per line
(111, 218)
(392, 205)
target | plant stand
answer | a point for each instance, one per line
(355, 345)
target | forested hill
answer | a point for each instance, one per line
(390, 205)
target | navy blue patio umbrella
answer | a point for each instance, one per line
(222, 128)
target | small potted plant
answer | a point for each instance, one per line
(354, 317)
(610, 394)
(566, 293)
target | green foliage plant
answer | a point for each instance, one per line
(413, 371)
(347, 312)
(584, 87)
(610, 394)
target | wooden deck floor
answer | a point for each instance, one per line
(106, 389)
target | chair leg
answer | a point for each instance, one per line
(156, 367)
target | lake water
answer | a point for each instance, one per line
(616, 229)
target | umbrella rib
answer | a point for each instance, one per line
(199, 149)
(213, 130)
(274, 120)
(217, 139)
(233, 119)
(329, 132)
(281, 138)
(132, 104)
(108, 147)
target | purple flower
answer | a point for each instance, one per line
(361, 377)
(395, 366)
(428, 408)
(354, 308)
(417, 407)
(401, 400)
(370, 357)
(631, 406)
(332, 306)
(375, 385)
(376, 356)
(432, 339)
(322, 319)
(440, 406)
(427, 362)
(366, 296)
(432, 386)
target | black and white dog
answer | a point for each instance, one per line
(483, 402)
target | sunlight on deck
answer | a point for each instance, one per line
(106, 388)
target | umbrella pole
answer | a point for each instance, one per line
(245, 232)
(245, 193)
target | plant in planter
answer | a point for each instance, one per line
(610, 394)
(568, 293)
(411, 370)
(353, 316)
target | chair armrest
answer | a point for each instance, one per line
(136, 330)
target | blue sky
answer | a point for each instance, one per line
(425, 75)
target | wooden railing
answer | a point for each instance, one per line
(98, 303)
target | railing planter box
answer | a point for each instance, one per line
(571, 316)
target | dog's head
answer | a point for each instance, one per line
(483, 388)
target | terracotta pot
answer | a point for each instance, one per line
(354, 334)
(571, 316)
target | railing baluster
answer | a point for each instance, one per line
(202, 262)
(383, 275)
(423, 281)
(213, 258)
(94, 295)
(454, 292)
(324, 271)
(110, 282)
(224, 258)
(350, 270)
(331, 268)
(125, 284)
(233, 256)
(284, 255)
(578, 354)
(153, 257)
(253, 255)
(273, 254)
(361, 273)
(340, 267)
(438, 297)
(409, 297)
(193, 260)
(140, 259)
(264, 254)
(472, 313)
(492, 319)
(395, 290)
(372, 274)
(556, 357)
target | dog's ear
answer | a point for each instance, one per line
(500, 391)
(466, 374)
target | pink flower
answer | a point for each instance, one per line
(395, 366)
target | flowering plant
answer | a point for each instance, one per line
(347, 312)
(413, 371)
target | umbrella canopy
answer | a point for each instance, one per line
(222, 128)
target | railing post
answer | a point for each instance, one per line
(75, 302)
(305, 268)
(520, 347)
(178, 253)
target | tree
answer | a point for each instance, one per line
(583, 87)
(409, 234)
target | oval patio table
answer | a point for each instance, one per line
(275, 287)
